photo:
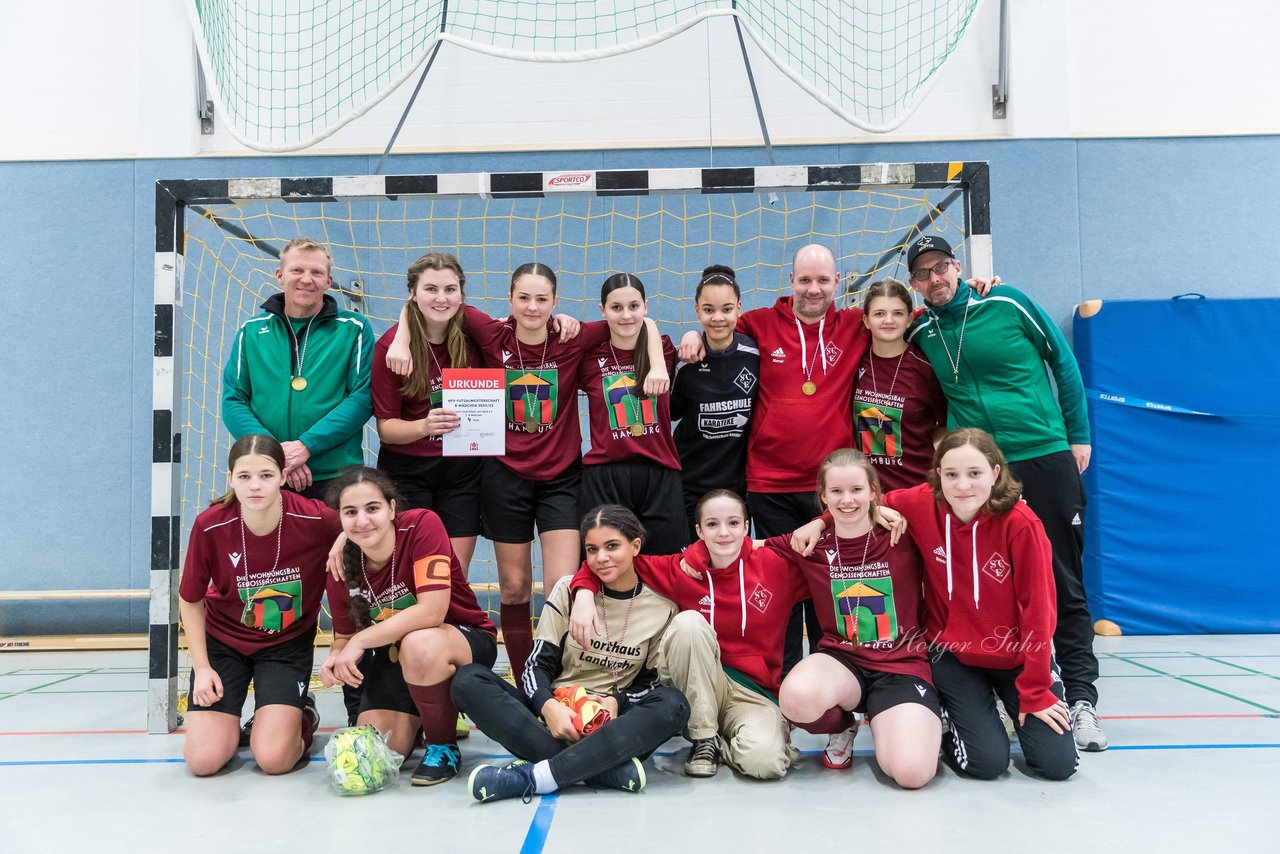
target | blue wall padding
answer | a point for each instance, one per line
(1181, 533)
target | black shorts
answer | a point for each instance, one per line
(448, 485)
(881, 691)
(651, 491)
(510, 504)
(384, 687)
(280, 674)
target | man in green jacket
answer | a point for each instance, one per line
(990, 355)
(300, 372)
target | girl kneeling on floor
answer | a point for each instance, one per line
(617, 672)
(404, 620)
(872, 658)
(249, 599)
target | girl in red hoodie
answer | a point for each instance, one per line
(989, 610)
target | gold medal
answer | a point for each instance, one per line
(246, 619)
(531, 424)
(809, 387)
(393, 654)
(637, 429)
(299, 383)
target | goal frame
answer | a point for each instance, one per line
(971, 178)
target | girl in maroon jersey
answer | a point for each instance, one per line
(632, 460)
(871, 659)
(249, 598)
(407, 409)
(898, 406)
(404, 619)
(536, 482)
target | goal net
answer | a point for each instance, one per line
(216, 256)
(288, 73)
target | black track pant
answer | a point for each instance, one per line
(499, 710)
(1052, 489)
(977, 745)
(775, 513)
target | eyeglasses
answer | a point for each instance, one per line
(936, 270)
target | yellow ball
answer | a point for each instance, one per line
(1107, 629)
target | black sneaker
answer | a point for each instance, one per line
(493, 783)
(627, 777)
(310, 723)
(704, 758)
(439, 763)
(246, 732)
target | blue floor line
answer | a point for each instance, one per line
(536, 838)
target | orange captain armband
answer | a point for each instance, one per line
(588, 714)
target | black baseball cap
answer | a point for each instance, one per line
(927, 244)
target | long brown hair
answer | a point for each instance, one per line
(417, 386)
(1005, 492)
(626, 280)
(254, 443)
(359, 608)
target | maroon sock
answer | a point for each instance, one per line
(439, 714)
(517, 636)
(834, 719)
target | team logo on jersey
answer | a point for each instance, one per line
(387, 610)
(745, 380)
(997, 567)
(274, 607)
(626, 408)
(533, 397)
(235, 559)
(878, 429)
(833, 353)
(864, 609)
(760, 598)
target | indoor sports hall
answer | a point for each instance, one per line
(1116, 163)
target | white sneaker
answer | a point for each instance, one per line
(1085, 727)
(839, 751)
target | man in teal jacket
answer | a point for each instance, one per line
(300, 372)
(990, 355)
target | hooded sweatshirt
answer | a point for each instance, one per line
(791, 431)
(988, 591)
(747, 603)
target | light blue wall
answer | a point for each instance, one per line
(1071, 220)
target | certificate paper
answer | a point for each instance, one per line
(478, 396)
